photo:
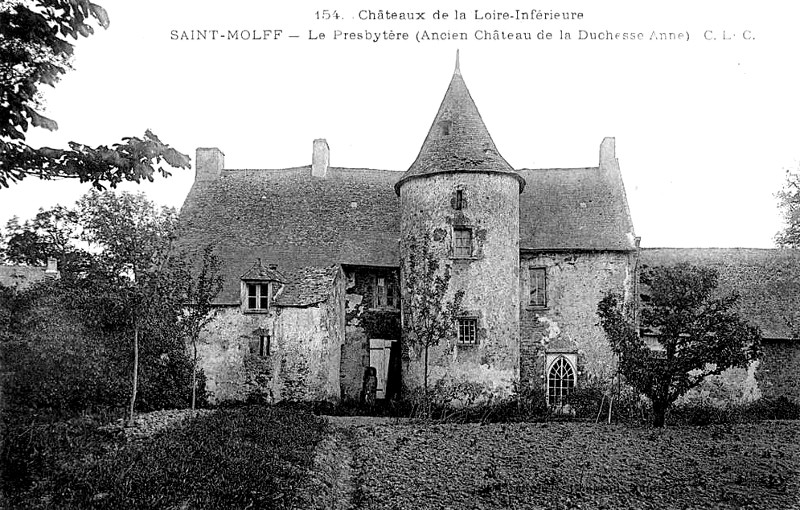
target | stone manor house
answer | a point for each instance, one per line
(313, 257)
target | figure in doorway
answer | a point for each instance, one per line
(370, 385)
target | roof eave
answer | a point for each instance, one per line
(519, 178)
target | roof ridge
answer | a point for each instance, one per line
(558, 168)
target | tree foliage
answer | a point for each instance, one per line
(52, 233)
(72, 340)
(429, 315)
(135, 239)
(700, 334)
(789, 203)
(35, 50)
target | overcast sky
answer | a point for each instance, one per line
(705, 129)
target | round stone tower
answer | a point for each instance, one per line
(461, 199)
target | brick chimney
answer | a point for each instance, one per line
(208, 164)
(320, 158)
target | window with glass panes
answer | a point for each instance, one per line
(462, 242)
(468, 330)
(538, 295)
(257, 296)
(385, 293)
(560, 382)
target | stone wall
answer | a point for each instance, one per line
(489, 278)
(575, 284)
(365, 321)
(304, 358)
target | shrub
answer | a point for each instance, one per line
(702, 411)
(631, 407)
(36, 446)
(247, 457)
(468, 402)
(588, 398)
(772, 408)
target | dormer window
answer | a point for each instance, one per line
(258, 296)
(259, 287)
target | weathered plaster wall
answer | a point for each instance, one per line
(779, 371)
(303, 363)
(222, 349)
(490, 278)
(576, 282)
(335, 324)
(364, 321)
(733, 386)
(775, 374)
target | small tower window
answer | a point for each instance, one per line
(444, 127)
(459, 201)
(462, 242)
(467, 331)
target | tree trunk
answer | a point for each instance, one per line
(194, 373)
(659, 413)
(135, 374)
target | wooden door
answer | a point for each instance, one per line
(379, 354)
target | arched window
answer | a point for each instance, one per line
(560, 381)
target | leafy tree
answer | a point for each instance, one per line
(789, 203)
(429, 315)
(68, 341)
(35, 51)
(135, 241)
(51, 233)
(699, 332)
(200, 293)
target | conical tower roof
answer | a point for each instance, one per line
(458, 140)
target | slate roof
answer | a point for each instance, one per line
(20, 276)
(574, 209)
(287, 218)
(259, 272)
(458, 140)
(352, 217)
(768, 281)
(307, 286)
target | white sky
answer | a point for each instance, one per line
(705, 130)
